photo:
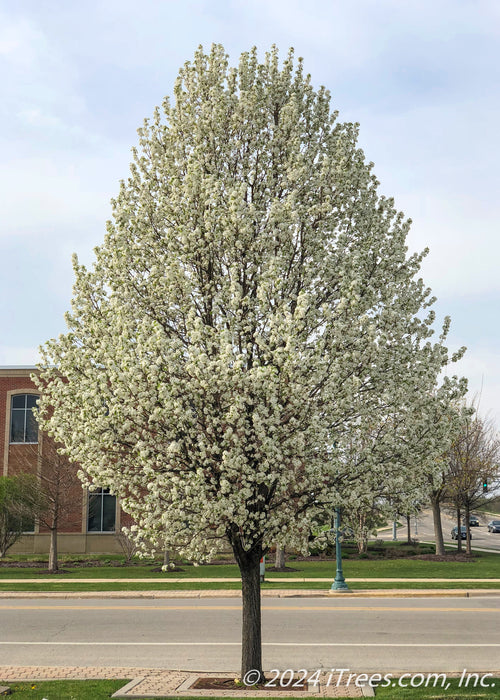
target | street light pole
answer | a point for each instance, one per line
(339, 584)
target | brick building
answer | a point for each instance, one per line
(88, 521)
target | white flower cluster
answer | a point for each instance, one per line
(252, 345)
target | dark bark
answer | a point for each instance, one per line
(251, 632)
(438, 527)
(408, 529)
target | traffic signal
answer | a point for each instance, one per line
(485, 485)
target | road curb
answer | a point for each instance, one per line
(266, 593)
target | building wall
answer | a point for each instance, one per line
(35, 458)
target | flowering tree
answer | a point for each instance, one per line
(252, 302)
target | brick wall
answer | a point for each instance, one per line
(37, 459)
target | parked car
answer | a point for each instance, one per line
(473, 521)
(463, 533)
(494, 526)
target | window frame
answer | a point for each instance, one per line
(100, 493)
(25, 410)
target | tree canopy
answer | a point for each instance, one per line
(252, 304)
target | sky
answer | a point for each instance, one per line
(421, 77)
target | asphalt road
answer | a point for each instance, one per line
(422, 528)
(362, 634)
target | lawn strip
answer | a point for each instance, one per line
(395, 692)
(481, 565)
(68, 586)
(92, 690)
(64, 690)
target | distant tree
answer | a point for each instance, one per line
(20, 504)
(60, 488)
(473, 459)
(253, 301)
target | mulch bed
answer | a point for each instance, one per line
(445, 557)
(230, 684)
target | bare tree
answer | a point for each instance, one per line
(20, 503)
(473, 459)
(60, 486)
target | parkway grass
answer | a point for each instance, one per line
(69, 587)
(430, 693)
(88, 690)
(64, 690)
(480, 565)
(101, 689)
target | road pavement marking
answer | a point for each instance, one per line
(238, 644)
(205, 608)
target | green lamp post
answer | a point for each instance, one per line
(339, 583)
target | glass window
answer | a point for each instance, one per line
(102, 511)
(23, 425)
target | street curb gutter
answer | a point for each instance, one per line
(266, 593)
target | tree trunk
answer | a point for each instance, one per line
(166, 559)
(438, 527)
(362, 543)
(251, 632)
(408, 529)
(53, 561)
(279, 560)
(362, 535)
(459, 531)
(468, 547)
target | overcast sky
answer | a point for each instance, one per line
(421, 77)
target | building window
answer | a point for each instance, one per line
(23, 425)
(102, 511)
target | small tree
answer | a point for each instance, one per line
(473, 458)
(252, 303)
(60, 488)
(20, 504)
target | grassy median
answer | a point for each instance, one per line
(384, 560)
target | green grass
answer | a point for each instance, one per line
(482, 565)
(69, 587)
(492, 505)
(64, 690)
(385, 560)
(454, 691)
(101, 689)
(85, 690)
